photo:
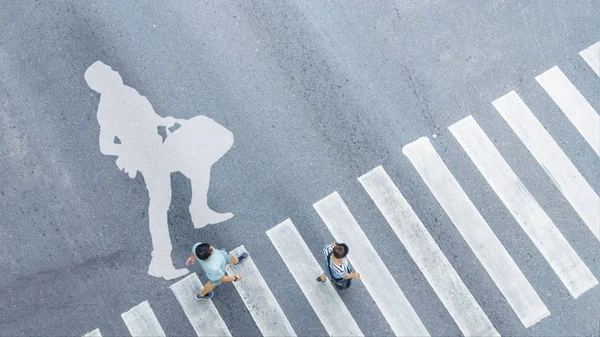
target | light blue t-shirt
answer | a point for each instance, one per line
(214, 267)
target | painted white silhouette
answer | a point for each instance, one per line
(131, 130)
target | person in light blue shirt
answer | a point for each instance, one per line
(213, 262)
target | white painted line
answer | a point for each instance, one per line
(380, 283)
(552, 159)
(259, 300)
(140, 321)
(301, 263)
(434, 265)
(529, 214)
(95, 333)
(203, 315)
(591, 55)
(477, 233)
(573, 105)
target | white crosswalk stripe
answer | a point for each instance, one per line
(573, 105)
(203, 315)
(529, 214)
(434, 265)
(141, 321)
(380, 283)
(481, 239)
(591, 55)
(552, 159)
(94, 333)
(324, 300)
(262, 305)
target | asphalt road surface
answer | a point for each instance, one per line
(316, 94)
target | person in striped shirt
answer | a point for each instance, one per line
(337, 267)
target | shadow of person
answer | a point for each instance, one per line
(129, 129)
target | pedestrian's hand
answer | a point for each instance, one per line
(357, 276)
(189, 261)
(239, 276)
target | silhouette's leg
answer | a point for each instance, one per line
(201, 214)
(159, 192)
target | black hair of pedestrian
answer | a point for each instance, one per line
(203, 251)
(340, 250)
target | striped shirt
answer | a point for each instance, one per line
(337, 271)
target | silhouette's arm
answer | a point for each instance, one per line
(152, 116)
(107, 144)
(168, 121)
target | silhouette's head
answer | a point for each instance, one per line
(340, 250)
(203, 251)
(100, 77)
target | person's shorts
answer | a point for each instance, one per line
(227, 258)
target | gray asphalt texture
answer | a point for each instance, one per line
(316, 93)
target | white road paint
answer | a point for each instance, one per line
(591, 55)
(203, 315)
(129, 130)
(477, 233)
(95, 333)
(380, 283)
(140, 321)
(323, 298)
(552, 159)
(529, 214)
(434, 265)
(573, 105)
(259, 300)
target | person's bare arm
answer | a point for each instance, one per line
(190, 260)
(226, 278)
(354, 275)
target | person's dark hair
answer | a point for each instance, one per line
(340, 250)
(203, 251)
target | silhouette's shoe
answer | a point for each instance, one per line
(209, 217)
(163, 267)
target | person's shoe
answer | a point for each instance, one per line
(205, 297)
(242, 257)
(319, 279)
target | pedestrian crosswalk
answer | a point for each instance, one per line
(94, 333)
(430, 259)
(536, 225)
(554, 161)
(565, 262)
(326, 303)
(203, 316)
(141, 321)
(573, 104)
(259, 300)
(475, 230)
(591, 55)
(380, 283)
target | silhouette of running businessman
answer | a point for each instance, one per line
(129, 129)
